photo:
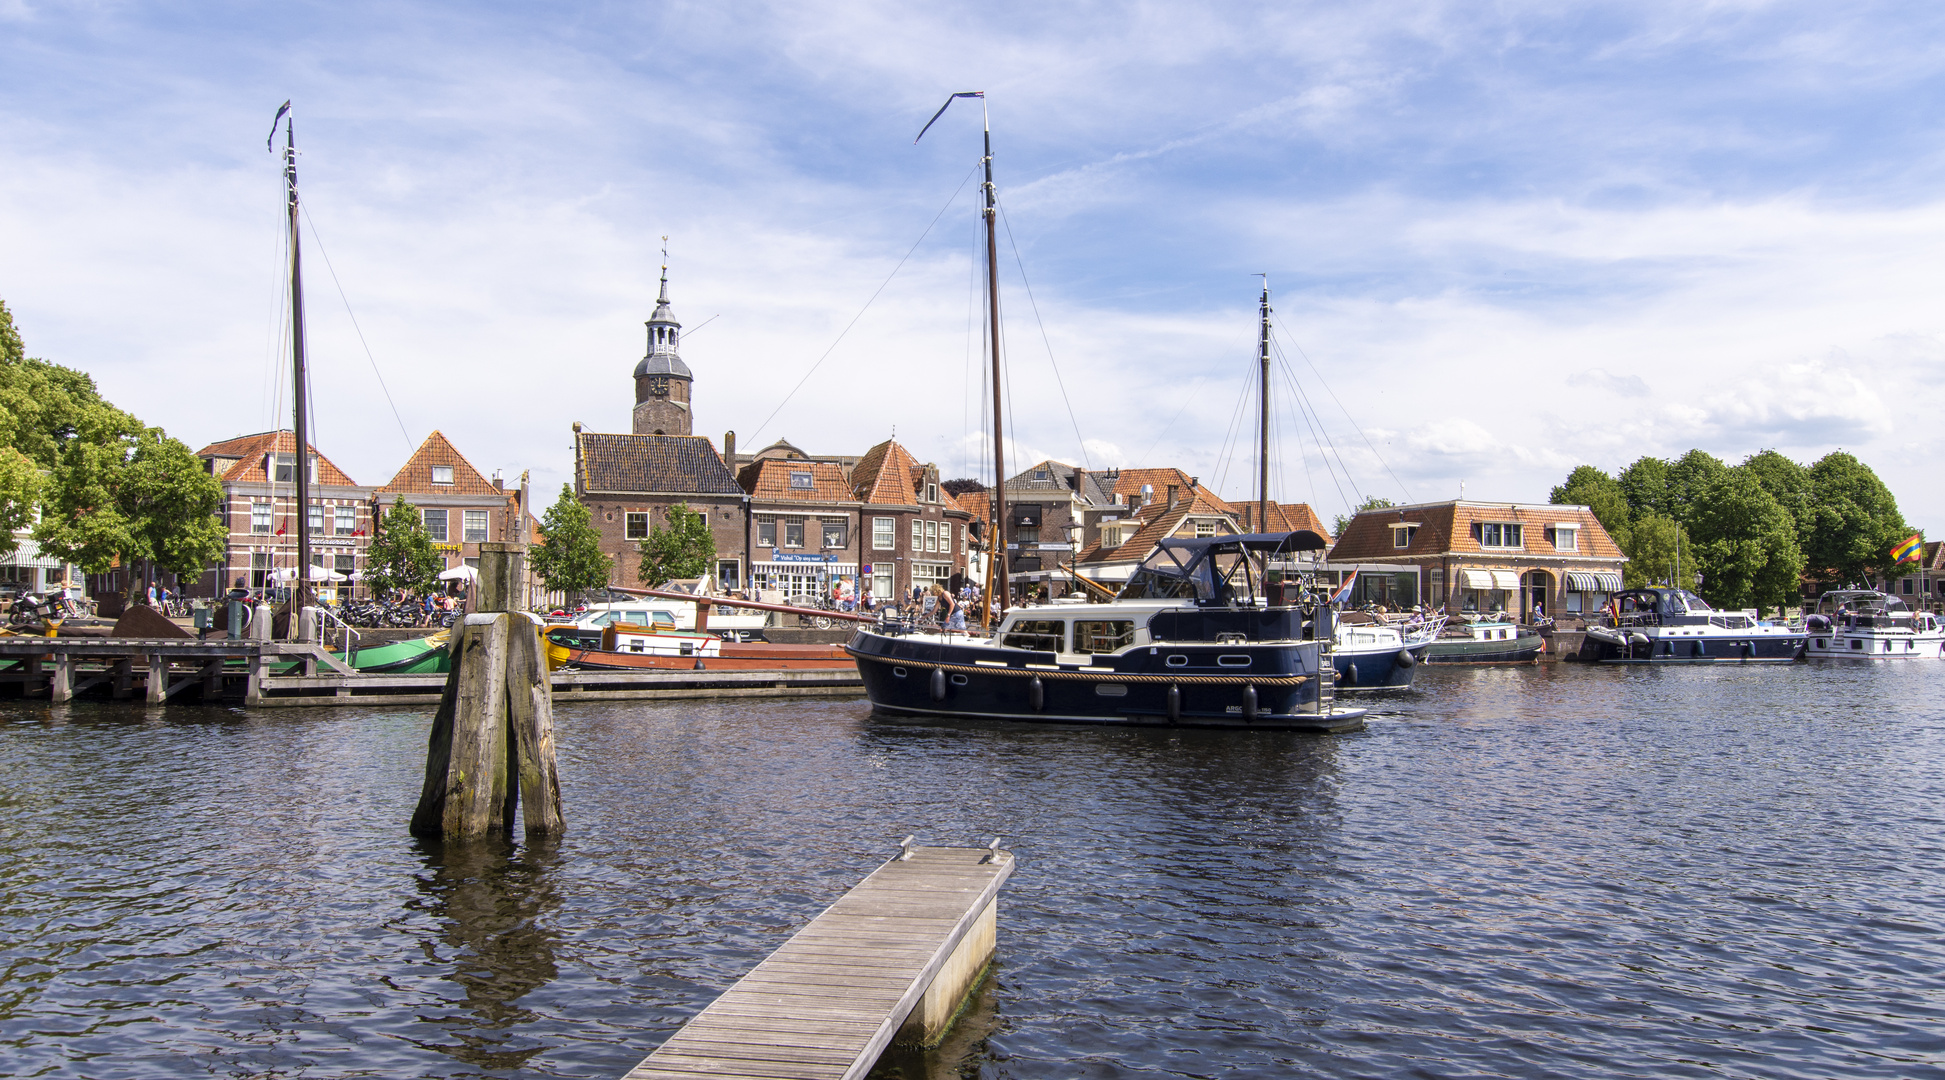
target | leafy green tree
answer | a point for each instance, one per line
(1599, 492)
(1789, 484)
(1654, 544)
(20, 492)
(122, 491)
(1645, 484)
(685, 548)
(1343, 521)
(401, 555)
(1689, 478)
(569, 557)
(1857, 522)
(43, 408)
(1745, 544)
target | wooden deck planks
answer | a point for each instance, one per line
(825, 1004)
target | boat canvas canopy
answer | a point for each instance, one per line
(1476, 579)
(1593, 581)
(1505, 579)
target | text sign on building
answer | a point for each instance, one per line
(799, 556)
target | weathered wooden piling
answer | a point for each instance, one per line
(492, 743)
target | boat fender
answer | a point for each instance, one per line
(699, 666)
(1174, 704)
(1406, 660)
(1350, 675)
(1037, 694)
(1249, 702)
(1637, 639)
(938, 684)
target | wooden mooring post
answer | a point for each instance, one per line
(894, 960)
(492, 743)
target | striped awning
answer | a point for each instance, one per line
(29, 554)
(1505, 579)
(1476, 579)
(1593, 581)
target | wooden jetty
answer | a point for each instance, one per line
(893, 959)
(165, 669)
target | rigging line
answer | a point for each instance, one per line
(867, 305)
(1347, 415)
(1043, 332)
(272, 346)
(1193, 390)
(360, 330)
(1225, 456)
(1316, 423)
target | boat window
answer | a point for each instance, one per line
(1042, 635)
(638, 618)
(662, 618)
(1177, 660)
(1161, 576)
(1103, 636)
(1233, 661)
(604, 618)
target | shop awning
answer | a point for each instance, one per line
(1593, 581)
(1505, 579)
(1476, 579)
(29, 554)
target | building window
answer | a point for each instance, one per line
(884, 535)
(442, 474)
(801, 481)
(837, 532)
(766, 531)
(1205, 528)
(918, 535)
(260, 517)
(1403, 535)
(635, 525)
(931, 536)
(316, 517)
(475, 527)
(962, 539)
(1565, 538)
(259, 570)
(1024, 534)
(281, 472)
(1499, 534)
(344, 520)
(793, 532)
(347, 565)
(435, 524)
(932, 493)
(881, 579)
(1042, 475)
(1907, 586)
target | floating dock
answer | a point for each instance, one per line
(892, 960)
(171, 669)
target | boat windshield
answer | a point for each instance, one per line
(1161, 576)
(1680, 600)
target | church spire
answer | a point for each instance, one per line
(664, 301)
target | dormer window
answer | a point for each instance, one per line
(932, 493)
(279, 466)
(442, 474)
(1499, 534)
(1403, 534)
(801, 481)
(1566, 537)
(1042, 475)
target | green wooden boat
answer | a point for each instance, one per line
(418, 656)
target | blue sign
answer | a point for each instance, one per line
(797, 556)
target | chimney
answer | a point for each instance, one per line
(1080, 481)
(1172, 489)
(577, 427)
(499, 484)
(729, 449)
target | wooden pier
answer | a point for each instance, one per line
(168, 669)
(893, 959)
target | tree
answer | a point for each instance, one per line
(401, 555)
(1343, 521)
(43, 408)
(1789, 484)
(1654, 544)
(1599, 492)
(684, 549)
(962, 485)
(1745, 544)
(1857, 521)
(123, 492)
(569, 557)
(1645, 483)
(1689, 478)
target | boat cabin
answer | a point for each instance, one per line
(1863, 607)
(653, 618)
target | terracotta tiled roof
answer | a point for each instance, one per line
(1283, 518)
(1128, 485)
(250, 449)
(665, 464)
(1448, 528)
(770, 479)
(977, 503)
(1159, 522)
(415, 478)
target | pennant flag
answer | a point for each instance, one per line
(270, 143)
(941, 112)
(1343, 592)
(282, 526)
(1912, 550)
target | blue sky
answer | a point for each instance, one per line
(1510, 238)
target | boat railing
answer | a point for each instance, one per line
(1633, 618)
(350, 634)
(1732, 622)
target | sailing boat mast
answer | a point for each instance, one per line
(999, 575)
(300, 380)
(1263, 433)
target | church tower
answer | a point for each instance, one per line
(662, 380)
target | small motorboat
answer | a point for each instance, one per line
(1865, 624)
(620, 647)
(1492, 641)
(1675, 626)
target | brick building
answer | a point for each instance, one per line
(916, 529)
(260, 506)
(1047, 507)
(459, 506)
(628, 483)
(1482, 557)
(1123, 542)
(807, 526)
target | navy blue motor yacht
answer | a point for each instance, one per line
(1675, 626)
(1196, 638)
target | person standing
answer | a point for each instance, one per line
(952, 614)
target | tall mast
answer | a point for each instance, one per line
(1263, 433)
(301, 459)
(999, 576)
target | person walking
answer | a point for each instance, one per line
(951, 614)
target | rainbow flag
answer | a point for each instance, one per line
(1912, 550)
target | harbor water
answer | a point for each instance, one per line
(1554, 871)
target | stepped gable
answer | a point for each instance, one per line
(415, 477)
(653, 464)
(771, 479)
(249, 451)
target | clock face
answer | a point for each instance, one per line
(659, 386)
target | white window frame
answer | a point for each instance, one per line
(918, 535)
(467, 519)
(316, 517)
(931, 536)
(344, 520)
(263, 516)
(1506, 531)
(884, 534)
(1566, 538)
(442, 474)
